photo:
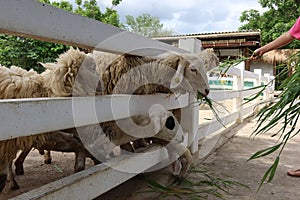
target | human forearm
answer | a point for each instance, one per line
(282, 40)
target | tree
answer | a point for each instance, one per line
(26, 52)
(146, 25)
(277, 19)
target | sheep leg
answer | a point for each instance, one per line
(20, 161)
(183, 163)
(47, 157)
(79, 161)
(186, 160)
(11, 183)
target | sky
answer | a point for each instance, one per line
(189, 16)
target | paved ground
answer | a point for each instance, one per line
(228, 161)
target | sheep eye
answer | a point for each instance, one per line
(193, 70)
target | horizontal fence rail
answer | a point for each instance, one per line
(239, 93)
(23, 117)
(55, 25)
(92, 182)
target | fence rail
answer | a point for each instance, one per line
(55, 25)
(23, 117)
(239, 95)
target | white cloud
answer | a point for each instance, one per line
(189, 16)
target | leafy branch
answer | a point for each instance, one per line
(201, 187)
(284, 112)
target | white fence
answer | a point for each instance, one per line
(238, 95)
(32, 116)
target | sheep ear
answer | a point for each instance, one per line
(178, 77)
(156, 125)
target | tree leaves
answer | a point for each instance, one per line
(270, 172)
(278, 17)
(146, 25)
(26, 52)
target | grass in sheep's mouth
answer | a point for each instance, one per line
(199, 184)
(201, 99)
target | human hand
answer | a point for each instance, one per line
(257, 54)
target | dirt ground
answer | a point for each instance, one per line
(227, 160)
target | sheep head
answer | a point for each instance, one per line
(193, 68)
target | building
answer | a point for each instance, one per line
(236, 44)
(226, 44)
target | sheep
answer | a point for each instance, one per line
(170, 73)
(100, 73)
(64, 141)
(160, 124)
(139, 75)
(105, 73)
(78, 74)
(19, 83)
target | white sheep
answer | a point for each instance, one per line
(168, 73)
(105, 73)
(78, 74)
(141, 75)
(19, 83)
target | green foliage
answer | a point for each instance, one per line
(90, 8)
(283, 112)
(198, 184)
(146, 25)
(26, 52)
(277, 19)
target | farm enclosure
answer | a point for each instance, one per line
(44, 112)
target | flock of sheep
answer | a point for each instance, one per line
(76, 73)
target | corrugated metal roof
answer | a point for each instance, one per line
(212, 35)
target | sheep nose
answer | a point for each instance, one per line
(170, 123)
(206, 92)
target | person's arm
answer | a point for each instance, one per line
(282, 40)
